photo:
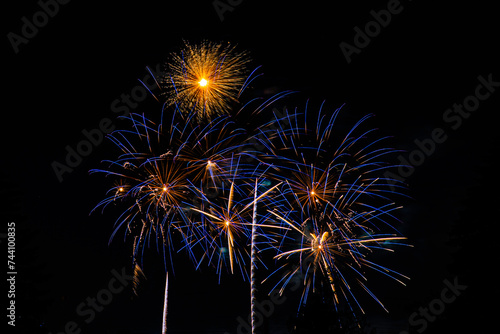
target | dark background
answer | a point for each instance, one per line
(424, 61)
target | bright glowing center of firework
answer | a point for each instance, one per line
(209, 163)
(165, 188)
(227, 222)
(313, 193)
(320, 246)
(203, 82)
(121, 189)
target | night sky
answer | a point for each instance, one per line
(64, 78)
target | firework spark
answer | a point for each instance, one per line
(206, 78)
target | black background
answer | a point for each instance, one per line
(66, 77)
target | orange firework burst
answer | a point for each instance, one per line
(205, 78)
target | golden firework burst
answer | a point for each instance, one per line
(205, 78)
(335, 256)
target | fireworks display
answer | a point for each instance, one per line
(189, 181)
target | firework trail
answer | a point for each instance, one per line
(165, 307)
(206, 78)
(253, 260)
(339, 205)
